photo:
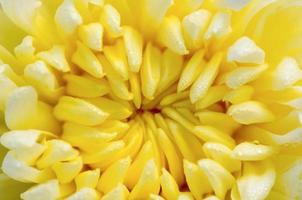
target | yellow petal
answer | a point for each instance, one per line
(55, 57)
(155, 197)
(189, 114)
(48, 191)
(87, 61)
(11, 73)
(118, 86)
(169, 99)
(7, 57)
(67, 171)
(220, 26)
(257, 180)
(169, 186)
(86, 138)
(145, 154)
(170, 35)
(43, 79)
(117, 57)
(57, 150)
(152, 13)
(250, 112)
(173, 114)
(197, 181)
(113, 175)
(115, 110)
(185, 141)
(7, 86)
(67, 17)
(185, 196)
(158, 154)
(244, 50)
(212, 197)
(212, 134)
(135, 85)
(222, 121)
(251, 152)
(111, 19)
(191, 71)
(246, 74)
(133, 140)
(286, 73)
(170, 70)
(205, 78)
(88, 87)
(148, 183)
(120, 192)
(25, 50)
(20, 171)
(194, 26)
(172, 156)
(133, 42)
(92, 36)
(220, 179)
(232, 4)
(24, 19)
(114, 127)
(239, 95)
(79, 111)
(183, 7)
(150, 71)
(214, 94)
(11, 34)
(88, 179)
(223, 155)
(85, 193)
(24, 111)
(25, 144)
(105, 153)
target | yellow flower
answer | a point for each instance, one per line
(150, 99)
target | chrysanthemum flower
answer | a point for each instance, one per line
(151, 99)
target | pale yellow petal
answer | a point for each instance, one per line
(67, 17)
(170, 35)
(92, 36)
(133, 42)
(220, 179)
(48, 191)
(244, 50)
(194, 26)
(251, 152)
(250, 112)
(257, 180)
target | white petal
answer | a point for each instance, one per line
(67, 17)
(21, 12)
(46, 191)
(244, 50)
(232, 4)
(287, 73)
